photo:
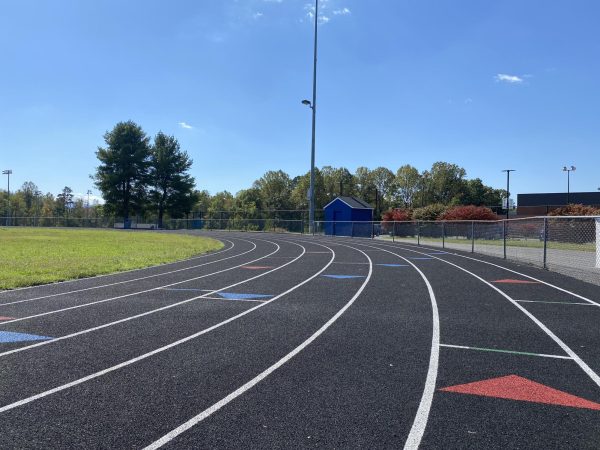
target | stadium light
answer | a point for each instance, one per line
(569, 170)
(313, 106)
(8, 173)
(508, 171)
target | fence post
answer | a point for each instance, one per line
(598, 242)
(372, 230)
(352, 231)
(504, 226)
(545, 242)
(473, 236)
(418, 232)
(444, 234)
(394, 231)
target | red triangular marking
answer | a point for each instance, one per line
(6, 318)
(513, 387)
(257, 267)
(515, 281)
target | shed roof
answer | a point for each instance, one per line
(352, 202)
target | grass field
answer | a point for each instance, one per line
(528, 243)
(31, 256)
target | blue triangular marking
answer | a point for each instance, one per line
(343, 277)
(234, 296)
(9, 336)
(393, 265)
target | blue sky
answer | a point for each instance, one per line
(487, 85)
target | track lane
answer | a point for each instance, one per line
(61, 327)
(102, 301)
(241, 311)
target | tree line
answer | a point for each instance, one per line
(444, 185)
(138, 176)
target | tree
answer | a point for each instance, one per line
(476, 193)
(64, 201)
(30, 192)
(447, 182)
(275, 190)
(172, 188)
(407, 183)
(122, 175)
(383, 179)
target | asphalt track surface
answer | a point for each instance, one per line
(289, 341)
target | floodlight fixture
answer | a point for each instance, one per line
(569, 170)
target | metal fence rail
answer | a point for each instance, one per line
(569, 245)
(566, 244)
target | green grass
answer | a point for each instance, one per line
(32, 256)
(528, 243)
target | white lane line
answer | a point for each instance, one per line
(137, 316)
(164, 348)
(129, 281)
(422, 416)
(352, 263)
(495, 350)
(83, 305)
(587, 369)
(260, 377)
(581, 297)
(60, 283)
(187, 290)
(231, 300)
(555, 303)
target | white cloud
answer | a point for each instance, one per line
(341, 12)
(257, 15)
(326, 11)
(510, 79)
(185, 125)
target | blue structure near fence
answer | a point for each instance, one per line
(344, 217)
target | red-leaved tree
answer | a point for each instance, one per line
(396, 215)
(469, 212)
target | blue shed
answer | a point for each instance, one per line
(344, 216)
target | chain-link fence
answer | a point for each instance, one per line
(570, 245)
(75, 222)
(566, 244)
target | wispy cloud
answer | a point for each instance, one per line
(510, 79)
(341, 12)
(325, 11)
(257, 15)
(185, 125)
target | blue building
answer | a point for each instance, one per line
(348, 216)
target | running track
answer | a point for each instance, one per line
(289, 341)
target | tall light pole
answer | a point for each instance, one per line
(569, 170)
(313, 106)
(508, 171)
(8, 173)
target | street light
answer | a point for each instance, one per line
(8, 173)
(313, 106)
(569, 170)
(508, 171)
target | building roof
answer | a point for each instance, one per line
(352, 202)
(558, 198)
